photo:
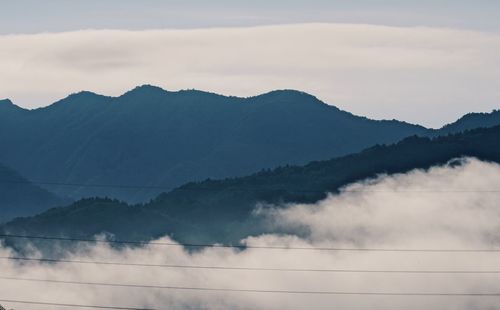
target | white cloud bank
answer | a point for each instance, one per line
(391, 212)
(425, 75)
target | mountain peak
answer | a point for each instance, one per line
(79, 99)
(288, 93)
(291, 98)
(8, 104)
(84, 94)
(146, 89)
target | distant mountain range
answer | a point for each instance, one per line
(220, 211)
(153, 138)
(19, 197)
(150, 136)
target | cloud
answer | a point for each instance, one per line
(400, 211)
(419, 74)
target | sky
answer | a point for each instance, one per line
(389, 212)
(33, 16)
(426, 62)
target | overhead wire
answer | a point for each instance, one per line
(244, 247)
(236, 268)
(271, 291)
(41, 303)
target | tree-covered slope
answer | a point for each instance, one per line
(220, 210)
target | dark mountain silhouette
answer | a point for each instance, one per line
(18, 197)
(150, 136)
(470, 121)
(220, 210)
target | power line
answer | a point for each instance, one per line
(50, 260)
(243, 247)
(30, 302)
(120, 186)
(85, 185)
(210, 289)
(245, 189)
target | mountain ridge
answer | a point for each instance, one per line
(148, 88)
(472, 120)
(152, 136)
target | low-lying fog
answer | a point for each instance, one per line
(448, 207)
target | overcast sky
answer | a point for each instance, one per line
(425, 62)
(31, 16)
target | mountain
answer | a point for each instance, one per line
(19, 197)
(150, 140)
(153, 137)
(470, 121)
(221, 210)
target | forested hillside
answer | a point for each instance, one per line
(220, 210)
